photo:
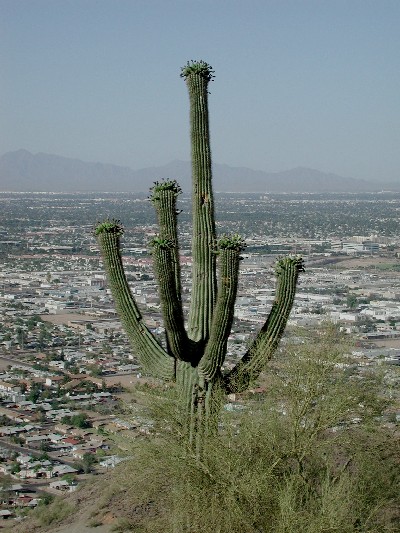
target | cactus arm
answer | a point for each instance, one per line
(267, 340)
(152, 356)
(229, 257)
(204, 289)
(163, 197)
(167, 266)
(163, 254)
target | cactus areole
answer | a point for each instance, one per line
(194, 355)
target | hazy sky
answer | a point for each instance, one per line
(298, 83)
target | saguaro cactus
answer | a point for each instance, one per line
(194, 356)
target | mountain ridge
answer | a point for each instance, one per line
(22, 171)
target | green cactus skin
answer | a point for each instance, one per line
(194, 359)
(267, 340)
(204, 288)
(214, 355)
(163, 254)
(154, 359)
(163, 196)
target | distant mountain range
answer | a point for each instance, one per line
(23, 171)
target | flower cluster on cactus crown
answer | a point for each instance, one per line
(199, 68)
(112, 225)
(289, 261)
(164, 185)
(232, 242)
(164, 244)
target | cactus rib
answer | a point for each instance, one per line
(163, 254)
(229, 257)
(153, 357)
(204, 290)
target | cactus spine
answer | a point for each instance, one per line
(194, 358)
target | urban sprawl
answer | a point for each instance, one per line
(65, 363)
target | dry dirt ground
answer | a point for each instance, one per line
(106, 505)
(64, 318)
(389, 343)
(81, 508)
(80, 527)
(368, 262)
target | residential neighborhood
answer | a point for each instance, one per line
(66, 368)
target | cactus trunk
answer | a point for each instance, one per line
(204, 280)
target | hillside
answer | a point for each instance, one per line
(354, 469)
(24, 171)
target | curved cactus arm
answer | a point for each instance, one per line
(163, 196)
(163, 253)
(267, 340)
(229, 257)
(204, 280)
(152, 356)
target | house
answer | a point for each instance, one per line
(96, 424)
(26, 501)
(9, 387)
(37, 439)
(23, 459)
(71, 441)
(54, 381)
(57, 414)
(5, 514)
(10, 391)
(11, 414)
(6, 431)
(61, 470)
(112, 461)
(8, 494)
(36, 472)
(78, 452)
(62, 428)
(55, 438)
(63, 486)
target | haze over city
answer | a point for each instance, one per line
(309, 83)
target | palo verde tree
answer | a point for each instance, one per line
(194, 354)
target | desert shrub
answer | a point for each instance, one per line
(53, 513)
(314, 456)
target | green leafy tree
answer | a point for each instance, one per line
(15, 468)
(20, 337)
(88, 461)
(69, 478)
(194, 356)
(5, 421)
(79, 420)
(34, 393)
(5, 487)
(351, 301)
(94, 370)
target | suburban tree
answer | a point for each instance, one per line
(194, 355)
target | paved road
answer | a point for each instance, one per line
(36, 453)
(82, 528)
(13, 361)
